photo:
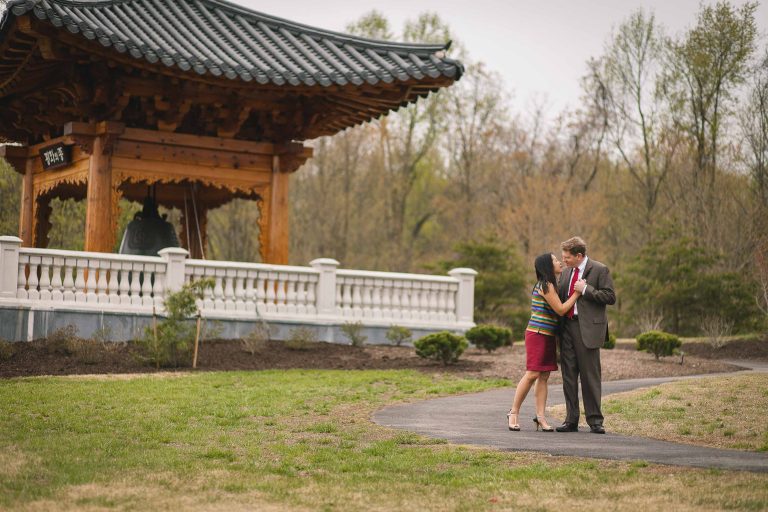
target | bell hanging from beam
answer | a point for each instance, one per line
(148, 232)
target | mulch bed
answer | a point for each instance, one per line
(34, 358)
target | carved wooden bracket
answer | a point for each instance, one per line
(83, 134)
(292, 156)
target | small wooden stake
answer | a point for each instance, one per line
(197, 341)
(154, 331)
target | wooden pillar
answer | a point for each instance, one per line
(27, 218)
(278, 215)
(102, 195)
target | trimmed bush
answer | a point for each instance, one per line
(658, 343)
(353, 331)
(611, 342)
(489, 337)
(397, 335)
(441, 346)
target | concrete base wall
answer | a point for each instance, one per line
(26, 324)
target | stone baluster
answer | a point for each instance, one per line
(158, 285)
(367, 297)
(136, 284)
(81, 269)
(250, 290)
(291, 296)
(146, 285)
(357, 297)
(239, 284)
(271, 284)
(56, 284)
(218, 289)
(281, 295)
(103, 291)
(261, 293)
(70, 268)
(230, 303)
(113, 285)
(311, 297)
(301, 294)
(32, 280)
(125, 282)
(208, 301)
(45, 277)
(21, 282)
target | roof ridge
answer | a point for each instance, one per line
(231, 6)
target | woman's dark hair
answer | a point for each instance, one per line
(545, 271)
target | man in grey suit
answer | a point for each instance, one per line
(583, 331)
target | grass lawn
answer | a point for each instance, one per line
(723, 412)
(297, 440)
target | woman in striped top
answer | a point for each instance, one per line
(540, 339)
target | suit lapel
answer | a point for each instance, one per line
(587, 268)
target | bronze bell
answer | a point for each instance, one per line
(148, 233)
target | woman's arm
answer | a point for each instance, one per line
(554, 301)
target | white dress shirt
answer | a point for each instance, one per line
(581, 276)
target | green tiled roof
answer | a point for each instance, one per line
(213, 37)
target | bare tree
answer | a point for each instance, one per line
(704, 68)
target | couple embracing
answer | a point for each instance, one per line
(568, 302)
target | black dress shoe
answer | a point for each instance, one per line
(597, 429)
(568, 427)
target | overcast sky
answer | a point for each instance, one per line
(539, 47)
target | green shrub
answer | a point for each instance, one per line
(353, 331)
(489, 337)
(87, 351)
(397, 335)
(173, 343)
(658, 343)
(611, 342)
(62, 341)
(7, 350)
(257, 339)
(441, 346)
(300, 338)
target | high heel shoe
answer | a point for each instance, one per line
(542, 424)
(514, 427)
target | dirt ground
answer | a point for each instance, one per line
(624, 362)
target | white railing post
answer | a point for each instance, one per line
(465, 298)
(326, 285)
(175, 262)
(9, 265)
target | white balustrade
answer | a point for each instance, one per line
(255, 289)
(321, 293)
(91, 280)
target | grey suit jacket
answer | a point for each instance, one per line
(593, 320)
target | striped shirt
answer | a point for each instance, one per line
(543, 319)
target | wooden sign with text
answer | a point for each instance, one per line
(56, 156)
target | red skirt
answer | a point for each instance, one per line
(539, 352)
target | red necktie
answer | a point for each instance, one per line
(574, 278)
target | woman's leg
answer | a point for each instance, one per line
(520, 393)
(540, 392)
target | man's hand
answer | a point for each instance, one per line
(580, 286)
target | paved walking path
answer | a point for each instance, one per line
(480, 419)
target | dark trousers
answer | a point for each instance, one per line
(579, 362)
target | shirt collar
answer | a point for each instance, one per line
(583, 265)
